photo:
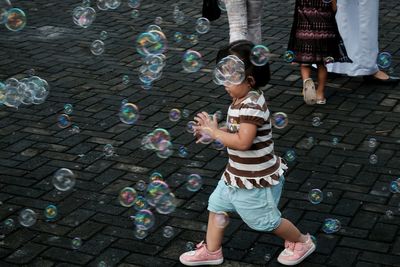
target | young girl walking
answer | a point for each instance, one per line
(251, 184)
(315, 39)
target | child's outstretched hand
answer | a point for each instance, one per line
(206, 126)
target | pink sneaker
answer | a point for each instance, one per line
(201, 256)
(294, 253)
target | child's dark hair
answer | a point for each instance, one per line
(242, 49)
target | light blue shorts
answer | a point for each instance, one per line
(257, 207)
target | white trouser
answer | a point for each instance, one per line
(357, 21)
(244, 20)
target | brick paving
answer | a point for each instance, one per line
(33, 147)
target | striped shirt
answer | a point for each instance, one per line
(258, 166)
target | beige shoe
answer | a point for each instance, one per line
(309, 92)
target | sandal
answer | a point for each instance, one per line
(309, 92)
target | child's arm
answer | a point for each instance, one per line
(241, 140)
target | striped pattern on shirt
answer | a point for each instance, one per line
(258, 166)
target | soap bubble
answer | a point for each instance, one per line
(290, 155)
(84, 16)
(194, 182)
(192, 61)
(155, 191)
(193, 38)
(129, 113)
(372, 142)
(155, 176)
(135, 13)
(331, 225)
(140, 233)
(134, 3)
(108, 150)
(63, 121)
(178, 37)
(9, 223)
(158, 20)
(316, 121)
(205, 136)
(373, 159)
(221, 219)
(140, 185)
(202, 25)
(16, 19)
(259, 55)
(97, 47)
(174, 114)
(190, 125)
(229, 70)
(68, 108)
(189, 246)
(125, 79)
(103, 35)
(335, 141)
(280, 120)
(151, 42)
(164, 149)
(64, 179)
(127, 197)
(384, 60)
(168, 231)
(182, 152)
(102, 4)
(395, 186)
(179, 16)
(12, 97)
(166, 204)
(113, 4)
(140, 203)
(50, 212)
(27, 217)
(102, 264)
(222, 4)
(76, 243)
(267, 257)
(315, 196)
(4, 6)
(75, 129)
(217, 144)
(144, 219)
(289, 56)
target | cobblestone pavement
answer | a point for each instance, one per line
(33, 147)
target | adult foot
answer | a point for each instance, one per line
(382, 77)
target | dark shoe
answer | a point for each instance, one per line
(390, 80)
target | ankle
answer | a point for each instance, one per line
(213, 250)
(303, 238)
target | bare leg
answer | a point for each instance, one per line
(305, 71)
(287, 231)
(322, 76)
(214, 234)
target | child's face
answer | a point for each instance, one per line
(238, 90)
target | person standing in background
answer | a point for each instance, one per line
(244, 18)
(357, 22)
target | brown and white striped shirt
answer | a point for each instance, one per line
(258, 166)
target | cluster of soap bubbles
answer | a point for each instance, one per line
(384, 60)
(280, 120)
(192, 61)
(27, 91)
(64, 179)
(158, 140)
(151, 69)
(315, 196)
(331, 225)
(229, 70)
(13, 18)
(108, 4)
(64, 121)
(395, 186)
(83, 16)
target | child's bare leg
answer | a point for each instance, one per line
(322, 76)
(214, 234)
(287, 231)
(305, 71)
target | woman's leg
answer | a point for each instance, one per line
(254, 11)
(305, 70)
(214, 234)
(237, 17)
(322, 76)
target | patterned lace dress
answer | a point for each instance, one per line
(314, 37)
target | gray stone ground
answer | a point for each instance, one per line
(33, 147)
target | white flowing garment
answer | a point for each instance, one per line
(357, 21)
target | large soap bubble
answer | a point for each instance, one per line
(229, 70)
(83, 16)
(16, 19)
(64, 179)
(152, 42)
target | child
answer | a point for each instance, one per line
(252, 182)
(315, 39)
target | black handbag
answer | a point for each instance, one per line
(211, 10)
